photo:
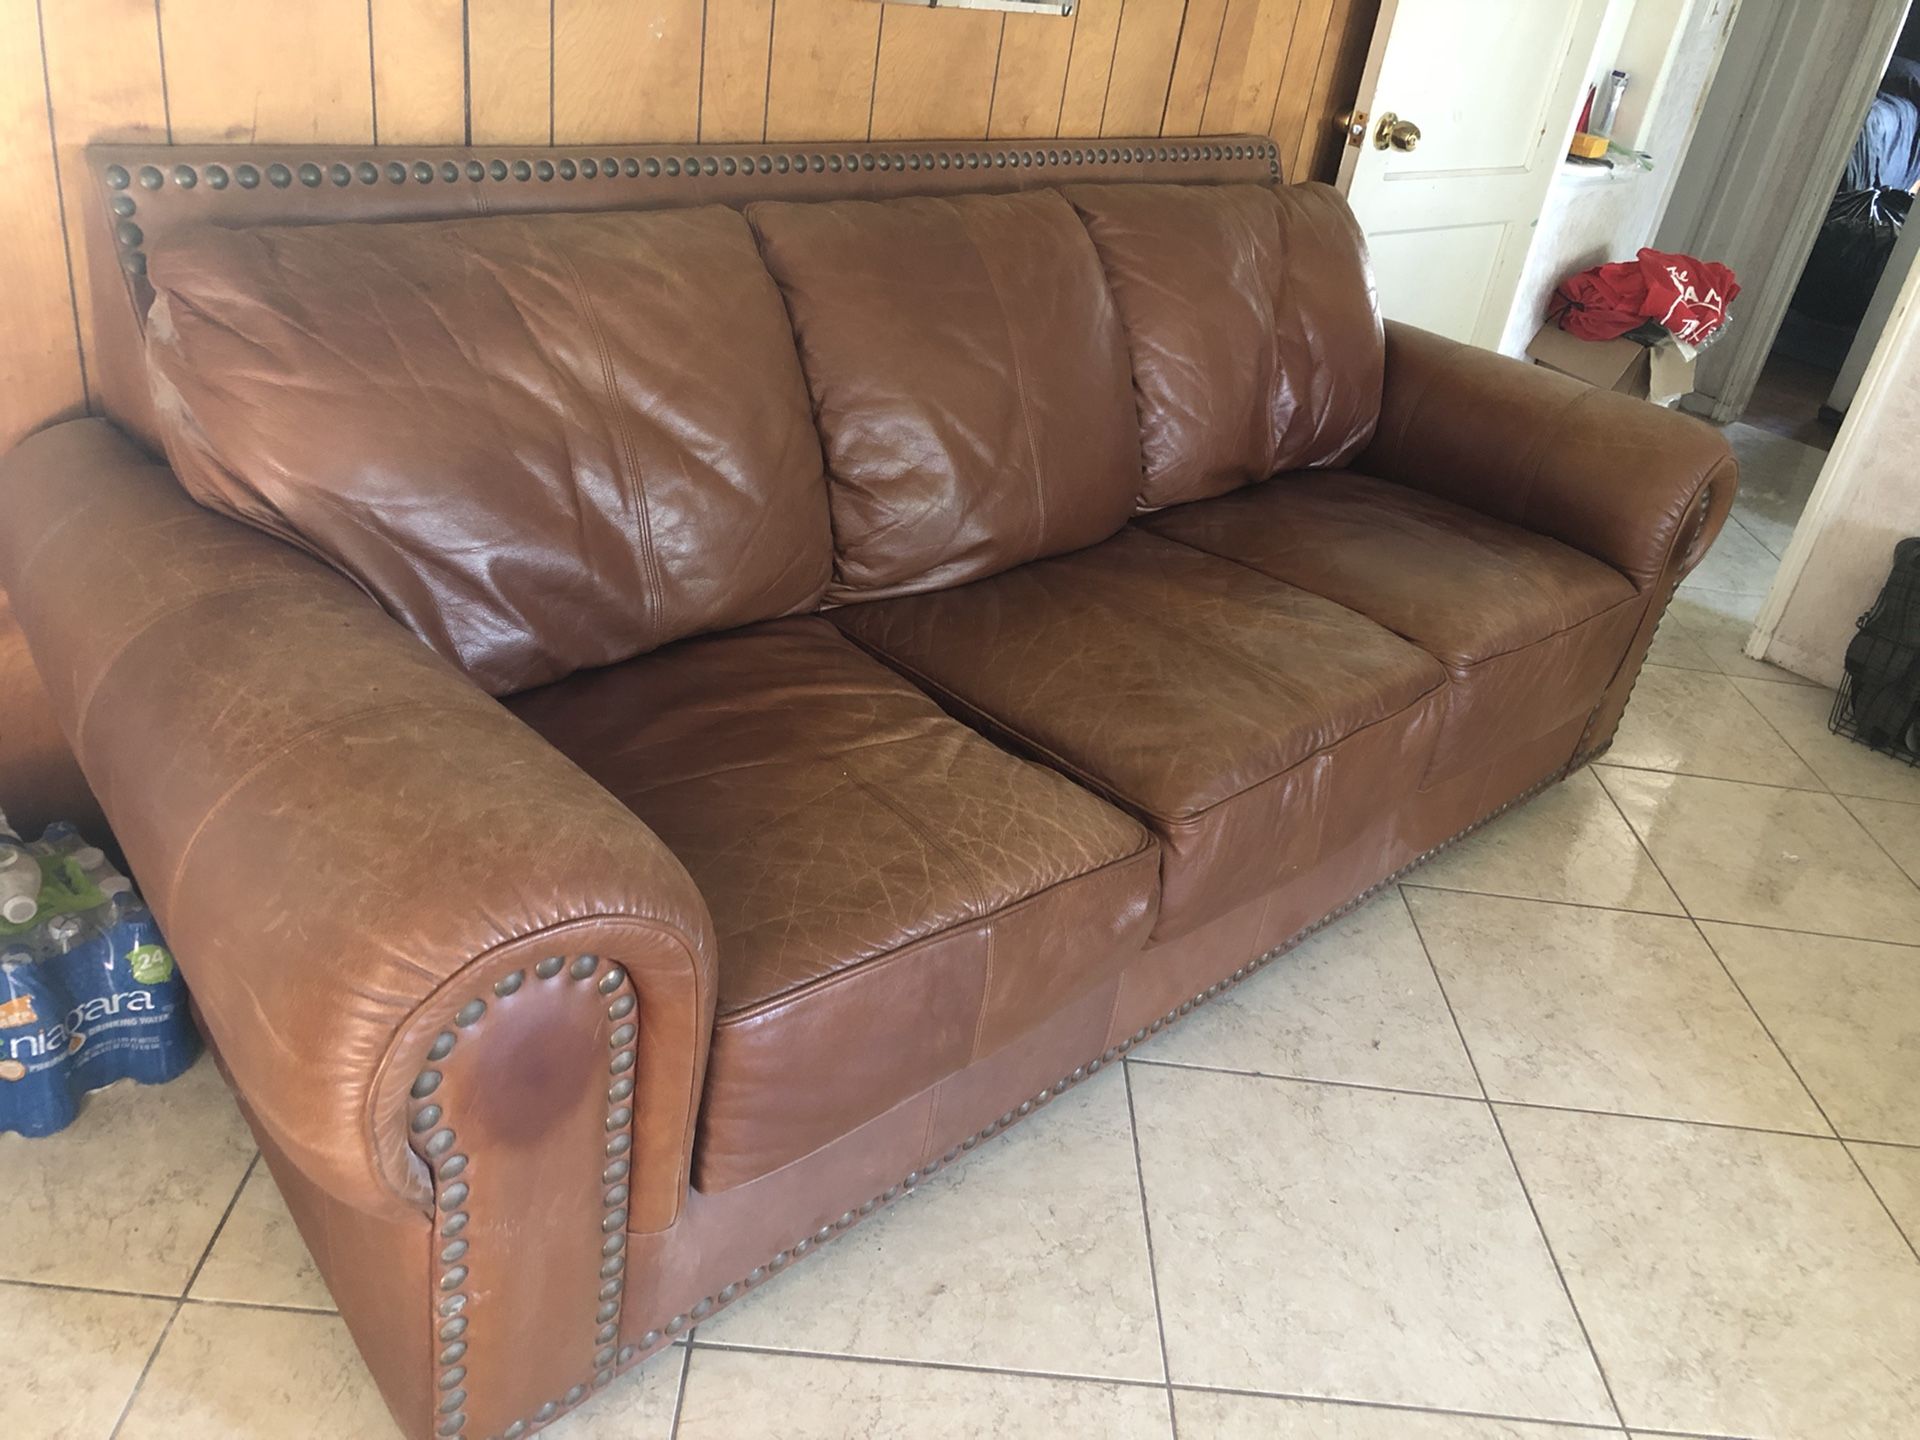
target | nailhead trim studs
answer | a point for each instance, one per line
(429, 1119)
(340, 175)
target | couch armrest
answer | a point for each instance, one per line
(416, 934)
(1620, 479)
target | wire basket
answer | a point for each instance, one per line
(1879, 700)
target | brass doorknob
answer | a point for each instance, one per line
(1394, 133)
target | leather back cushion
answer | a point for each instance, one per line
(1249, 311)
(969, 379)
(543, 442)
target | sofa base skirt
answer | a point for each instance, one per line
(728, 1243)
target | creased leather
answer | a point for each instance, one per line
(329, 822)
(865, 858)
(1214, 703)
(1603, 472)
(1530, 630)
(1251, 320)
(969, 378)
(543, 442)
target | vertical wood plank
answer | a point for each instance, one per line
(103, 78)
(510, 71)
(626, 71)
(1311, 39)
(934, 76)
(733, 74)
(1193, 66)
(1031, 79)
(821, 81)
(1268, 48)
(1229, 66)
(1350, 32)
(1096, 27)
(291, 73)
(39, 350)
(419, 72)
(1142, 66)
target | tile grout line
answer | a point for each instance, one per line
(1826, 785)
(1428, 885)
(180, 1300)
(1521, 1104)
(1847, 1149)
(1913, 1240)
(1493, 1113)
(1765, 1028)
(1146, 1226)
(680, 1389)
(1177, 1387)
(69, 1288)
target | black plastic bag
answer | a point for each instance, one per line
(1851, 251)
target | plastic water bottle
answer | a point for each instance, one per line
(19, 878)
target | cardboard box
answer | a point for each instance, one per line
(1660, 373)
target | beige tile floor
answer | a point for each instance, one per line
(1607, 1122)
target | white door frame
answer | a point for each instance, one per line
(1769, 191)
(1840, 476)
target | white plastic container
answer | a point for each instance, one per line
(19, 878)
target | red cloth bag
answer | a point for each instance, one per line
(1603, 303)
(1687, 296)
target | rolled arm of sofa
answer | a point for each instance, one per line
(1642, 488)
(463, 993)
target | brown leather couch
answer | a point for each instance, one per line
(900, 627)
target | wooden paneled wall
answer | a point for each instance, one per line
(537, 71)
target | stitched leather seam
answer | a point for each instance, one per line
(84, 707)
(1419, 645)
(719, 1300)
(900, 954)
(273, 757)
(1019, 388)
(456, 985)
(979, 720)
(636, 480)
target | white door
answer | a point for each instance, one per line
(1493, 88)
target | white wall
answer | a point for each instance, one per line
(1868, 498)
(1671, 50)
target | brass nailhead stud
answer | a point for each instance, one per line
(507, 984)
(584, 966)
(621, 1008)
(426, 1118)
(443, 1045)
(470, 1012)
(150, 177)
(452, 1166)
(117, 177)
(549, 967)
(610, 982)
(453, 1195)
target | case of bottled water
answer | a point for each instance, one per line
(89, 992)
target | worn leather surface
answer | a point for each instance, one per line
(1245, 721)
(330, 823)
(969, 379)
(865, 858)
(349, 842)
(542, 442)
(1603, 472)
(1530, 630)
(1252, 327)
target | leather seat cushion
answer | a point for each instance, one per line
(1250, 319)
(1251, 725)
(969, 378)
(893, 896)
(1531, 631)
